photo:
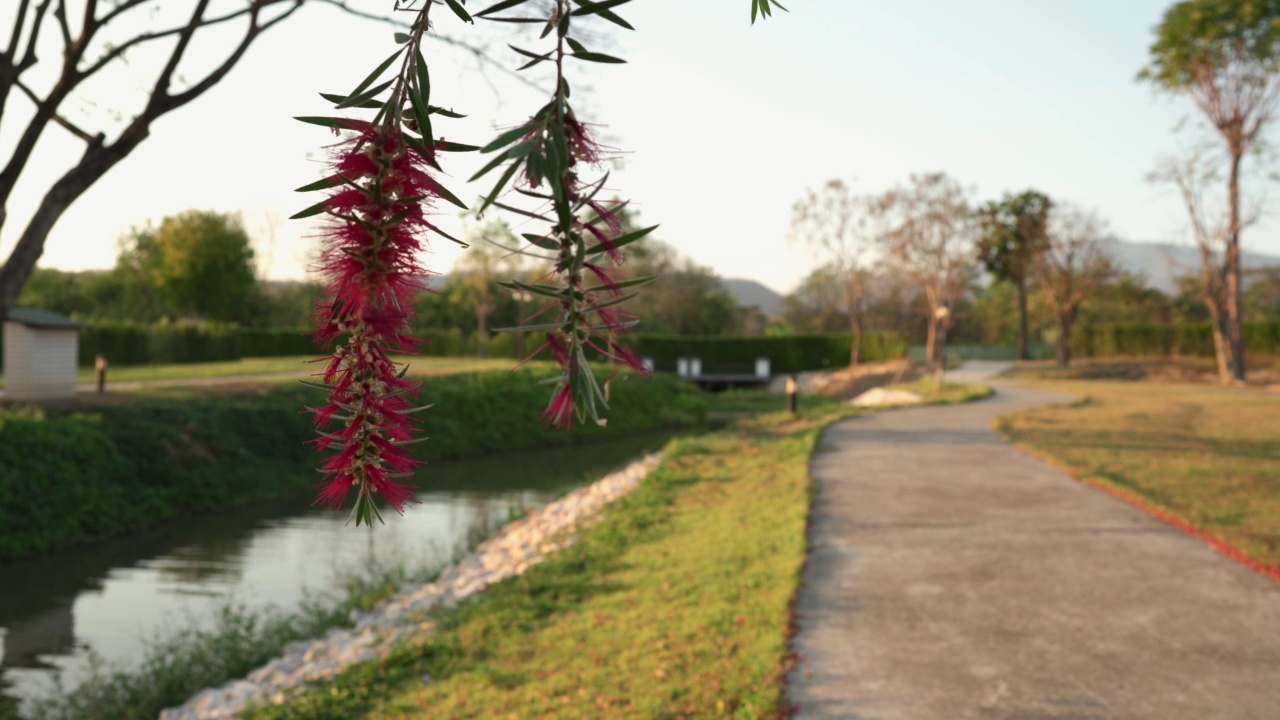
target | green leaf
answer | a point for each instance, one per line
(500, 6)
(594, 8)
(635, 282)
(367, 95)
(597, 57)
(422, 73)
(446, 146)
(541, 241)
(437, 110)
(547, 290)
(321, 184)
(373, 76)
(508, 137)
(509, 153)
(621, 240)
(577, 46)
(420, 115)
(614, 18)
(497, 188)
(313, 210)
(337, 123)
(459, 11)
(337, 99)
(402, 38)
(444, 193)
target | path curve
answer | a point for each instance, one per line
(952, 576)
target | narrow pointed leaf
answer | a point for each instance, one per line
(459, 11)
(620, 241)
(313, 210)
(373, 76)
(500, 6)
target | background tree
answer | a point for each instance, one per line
(684, 299)
(489, 259)
(1011, 238)
(842, 226)
(1225, 56)
(929, 240)
(57, 49)
(1072, 267)
(196, 264)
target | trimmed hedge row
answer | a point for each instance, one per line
(179, 342)
(67, 477)
(787, 354)
(1134, 339)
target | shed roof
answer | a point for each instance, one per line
(45, 319)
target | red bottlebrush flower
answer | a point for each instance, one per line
(369, 259)
(559, 411)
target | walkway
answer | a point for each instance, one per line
(953, 577)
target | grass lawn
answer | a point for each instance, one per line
(1206, 455)
(296, 366)
(675, 605)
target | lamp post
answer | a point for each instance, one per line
(940, 316)
(521, 297)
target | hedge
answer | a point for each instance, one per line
(787, 354)
(177, 342)
(1138, 340)
(68, 477)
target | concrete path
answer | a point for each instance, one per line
(953, 577)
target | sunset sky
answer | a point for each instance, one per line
(721, 126)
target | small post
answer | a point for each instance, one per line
(100, 372)
(791, 394)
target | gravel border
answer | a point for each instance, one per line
(516, 547)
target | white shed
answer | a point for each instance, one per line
(40, 353)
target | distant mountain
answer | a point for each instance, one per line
(750, 293)
(1162, 263)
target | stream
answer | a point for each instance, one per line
(106, 599)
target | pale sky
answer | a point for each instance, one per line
(723, 125)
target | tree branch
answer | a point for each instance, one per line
(214, 77)
(119, 50)
(29, 57)
(60, 13)
(11, 51)
(480, 53)
(65, 123)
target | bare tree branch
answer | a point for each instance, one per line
(120, 49)
(65, 123)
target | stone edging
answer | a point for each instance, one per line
(516, 547)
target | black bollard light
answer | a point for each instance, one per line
(791, 394)
(100, 372)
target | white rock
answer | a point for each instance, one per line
(879, 397)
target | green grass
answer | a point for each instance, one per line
(950, 393)
(236, 641)
(675, 605)
(299, 366)
(1207, 455)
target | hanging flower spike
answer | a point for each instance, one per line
(376, 225)
(550, 157)
(369, 259)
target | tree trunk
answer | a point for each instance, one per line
(1062, 347)
(482, 329)
(931, 342)
(1221, 342)
(1233, 330)
(97, 160)
(1021, 286)
(855, 349)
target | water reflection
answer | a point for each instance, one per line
(108, 598)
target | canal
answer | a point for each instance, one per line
(59, 611)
